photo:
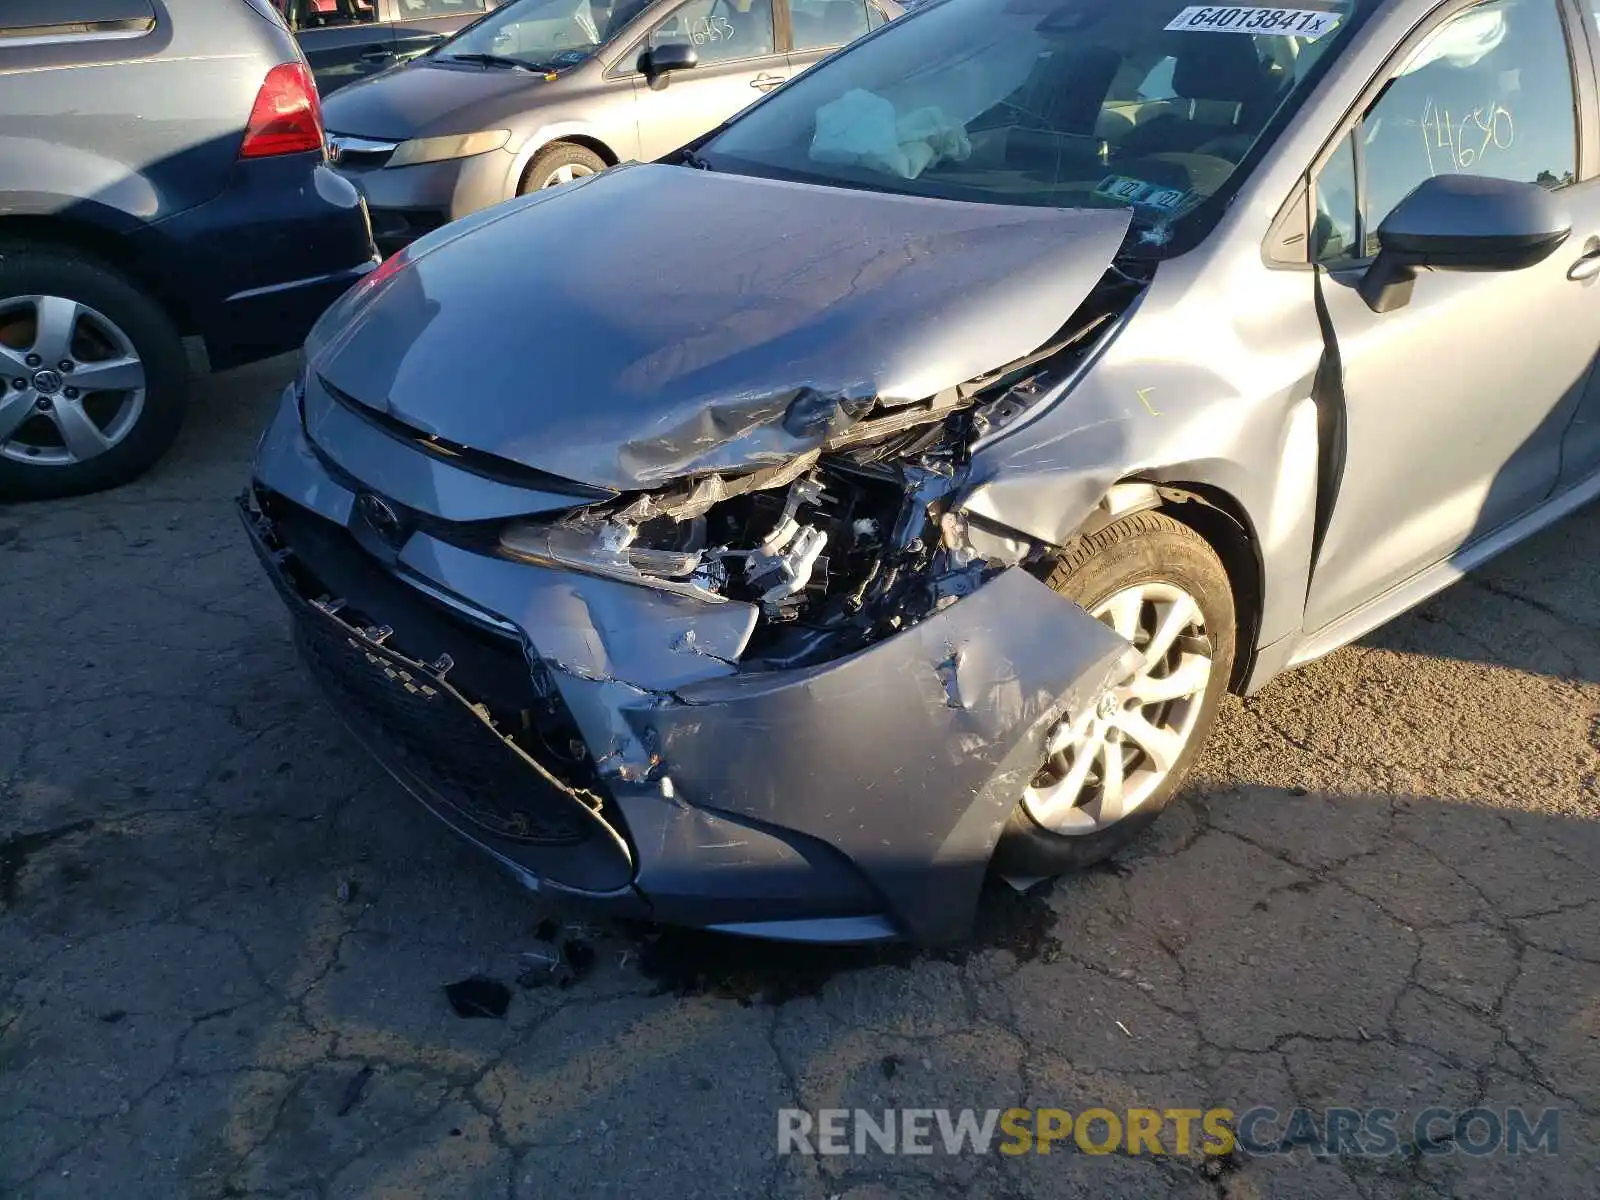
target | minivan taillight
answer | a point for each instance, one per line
(287, 117)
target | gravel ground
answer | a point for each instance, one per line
(224, 934)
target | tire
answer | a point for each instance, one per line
(558, 157)
(113, 332)
(1152, 554)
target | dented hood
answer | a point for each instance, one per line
(658, 321)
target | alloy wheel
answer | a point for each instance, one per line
(72, 385)
(1105, 762)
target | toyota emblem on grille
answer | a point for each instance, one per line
(380, 515)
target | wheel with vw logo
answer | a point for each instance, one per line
(93, 376)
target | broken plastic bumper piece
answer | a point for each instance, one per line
(853, 800)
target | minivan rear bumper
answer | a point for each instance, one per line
(257, 265)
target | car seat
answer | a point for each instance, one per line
(1060, 105)
(1229, 91)
(827, 24)
(752, 30)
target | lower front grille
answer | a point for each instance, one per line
(437, 738)
(392, 661)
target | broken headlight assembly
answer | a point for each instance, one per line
(765, 548)
(612, 548)
(844, 554)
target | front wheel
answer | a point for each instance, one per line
(559, 163)
(1111, 769)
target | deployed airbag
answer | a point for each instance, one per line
(862, 129)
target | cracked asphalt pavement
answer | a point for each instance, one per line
(224, 933)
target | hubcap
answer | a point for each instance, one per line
(71, 383)
(566, 174)
(1107, 761)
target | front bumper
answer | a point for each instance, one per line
(408, 202)
(857, 800)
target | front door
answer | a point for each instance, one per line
(1455, 405)
(1580, 452)
(343, 40)
(740, 59)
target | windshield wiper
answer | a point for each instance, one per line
(691, 159)
(490, 60)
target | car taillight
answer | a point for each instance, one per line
(287, 117)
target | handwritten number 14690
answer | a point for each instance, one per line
(1483, 129)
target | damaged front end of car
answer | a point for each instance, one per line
(758, 671)
(847, 543)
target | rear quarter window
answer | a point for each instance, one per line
(270, 9)
(36, 18)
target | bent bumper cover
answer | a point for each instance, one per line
(857, 799)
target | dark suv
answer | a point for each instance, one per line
(163, 175)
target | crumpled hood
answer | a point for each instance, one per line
(654, 322)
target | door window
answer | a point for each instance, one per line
(1488, 93)
(329, 14)
(417, 10)
(719, 30)
(1335, 232)
(823, 24)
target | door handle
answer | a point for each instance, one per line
(765, 82)
(377, 54)
(1587, 267)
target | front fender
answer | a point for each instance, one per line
(621, 149)
(1188, 391)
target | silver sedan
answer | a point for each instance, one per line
(894, 484)
(542, 92)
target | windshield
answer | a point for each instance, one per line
(1142, 104)
(543, 33)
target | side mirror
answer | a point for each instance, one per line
(672, 56)
(1463, 223)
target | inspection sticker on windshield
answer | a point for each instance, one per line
(1138, 192)
(1309, 23)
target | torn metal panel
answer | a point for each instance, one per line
(594, 628)
(1201, 384)
(621, 751)
(915, 792)
(839, 304)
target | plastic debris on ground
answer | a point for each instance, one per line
(479, 996)
(568, 958)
